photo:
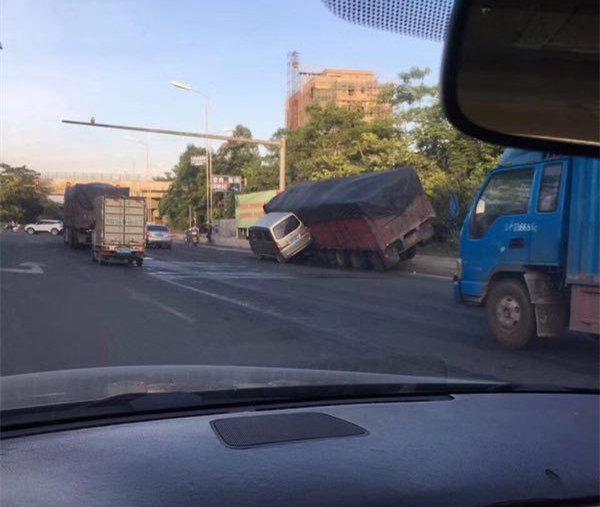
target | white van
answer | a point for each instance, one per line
(278, 235)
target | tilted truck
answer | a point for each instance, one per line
(368, 221)
(119, 229)
(530, 247)
(78, 211)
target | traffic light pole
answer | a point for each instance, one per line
(280, 143)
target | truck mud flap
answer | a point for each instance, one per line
(550, 308)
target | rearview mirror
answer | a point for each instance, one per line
(525, 74)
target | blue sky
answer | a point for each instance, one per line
(115, 59)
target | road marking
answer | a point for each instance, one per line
(237, 302)
(162, 306)
(30, 268)
(212, 270)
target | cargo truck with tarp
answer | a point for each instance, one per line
(369, 221)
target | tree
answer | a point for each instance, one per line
(188, 189)
(22, 197)
(233, 157)
(449, 162)
(338, 142)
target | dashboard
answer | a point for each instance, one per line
(470, 449)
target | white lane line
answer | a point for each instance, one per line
(166, 308)
(30, 268)
(220, 297)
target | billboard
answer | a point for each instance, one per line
(249, 207)
(226, 183)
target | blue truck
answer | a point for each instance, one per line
(530, 247)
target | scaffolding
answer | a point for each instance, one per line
(343, 87)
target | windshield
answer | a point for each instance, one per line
(412, 251)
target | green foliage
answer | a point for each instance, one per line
(188, 189)
(233, 157)
(21, 199)
(338, 142)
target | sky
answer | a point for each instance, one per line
(115, 59)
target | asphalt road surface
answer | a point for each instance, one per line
(210, 305)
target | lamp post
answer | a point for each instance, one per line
(209, 197)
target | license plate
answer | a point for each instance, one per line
(294, 240)
(123, 249)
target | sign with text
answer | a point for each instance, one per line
(198, 160)
(226, 183)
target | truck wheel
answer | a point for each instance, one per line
(357, 260)
(139, 262)
(30, 231)
(376, 261)
(341, 259)
(54, 232)
(510, 314)
(408, 254)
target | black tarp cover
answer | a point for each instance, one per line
(85, 193)
(368, 195)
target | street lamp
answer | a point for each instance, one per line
(209, 198)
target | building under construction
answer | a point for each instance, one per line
(342, 87)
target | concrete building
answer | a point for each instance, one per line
(342, 87)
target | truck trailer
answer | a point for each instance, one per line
(79, 213)
(372, 221)
(530, 247)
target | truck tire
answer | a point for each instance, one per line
(357, 260)
(376, 261)
(341, 259)
(408, 253)
(139, 262)
(510, 314)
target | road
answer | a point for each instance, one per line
(210, 305)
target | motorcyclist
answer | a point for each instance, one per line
(192, 235)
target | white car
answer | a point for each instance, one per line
(54, 227)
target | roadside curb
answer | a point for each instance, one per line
(433, 265)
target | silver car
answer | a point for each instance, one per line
(159, 236)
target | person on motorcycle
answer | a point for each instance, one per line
(192, 235)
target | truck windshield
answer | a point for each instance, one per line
(507, 193)
(285, 227)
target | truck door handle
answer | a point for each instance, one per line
(516, 243)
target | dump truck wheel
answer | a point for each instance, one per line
(510, 314)
(376, 261)
(408, 254)
(139, 262)
(341, 259)
(357, 260)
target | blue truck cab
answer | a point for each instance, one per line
(530, 247)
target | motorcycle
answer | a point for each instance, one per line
(12, 227)
(192, 237)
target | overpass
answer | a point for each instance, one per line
(152, 191)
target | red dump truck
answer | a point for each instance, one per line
(369, 221)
